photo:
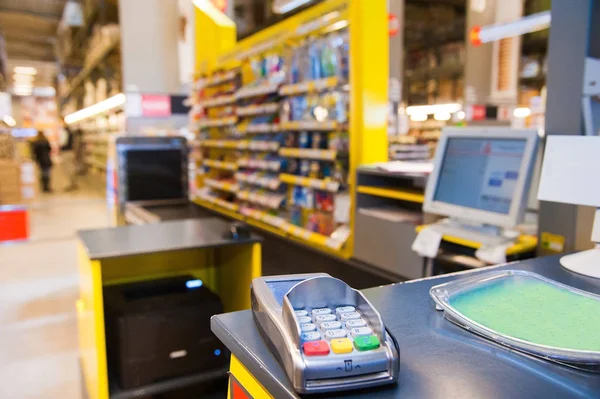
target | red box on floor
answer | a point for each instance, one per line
(14, 223)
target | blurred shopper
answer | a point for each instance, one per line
(41, 152)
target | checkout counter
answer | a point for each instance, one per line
(129, 254)
(438, 359)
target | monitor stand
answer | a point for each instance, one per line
(478, 232)
(586, 263)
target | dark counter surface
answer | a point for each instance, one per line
(175, 212)
(158, 237)
(437, 358)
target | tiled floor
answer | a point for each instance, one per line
(38, 289)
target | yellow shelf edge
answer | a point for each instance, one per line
(308, 153)
(312, 86)
(525, 243)
(316, 241)
(319, 184)
(392, 193)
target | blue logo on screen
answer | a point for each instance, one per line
(495, 182)
(512, 175)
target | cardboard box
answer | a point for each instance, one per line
(10, 183)
(8, 149)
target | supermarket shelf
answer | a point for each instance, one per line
(260, 109)
(257, 90)
(403, 195)
(255, 179)
(262, 145)
(218, 101)
(260, 128)
(222, 203)
(86, 71)
(309, 125)
(325, 185)
(218, 79)
(279, 227)
(219, 185)
(220, 122)
(307, 153)
(312, 86)
(263, 164)
(232, 166)
(272, 201)
(226, 144)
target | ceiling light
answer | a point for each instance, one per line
(22, 91)
(21, 78)
(25, 70)
(442, 116)
(418, 117)
(432, 109)
(285, 6)
(9, 120)
(102, 106)
(521, 112)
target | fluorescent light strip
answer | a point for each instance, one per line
(432, 109)
(9, 120)
(289, 6)
(25, 70)
(102, 106)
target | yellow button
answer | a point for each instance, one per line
(341, 345)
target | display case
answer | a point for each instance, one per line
(287, 116)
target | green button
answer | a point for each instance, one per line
(366, 343)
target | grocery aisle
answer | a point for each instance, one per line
(39, 284)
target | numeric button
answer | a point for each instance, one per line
(304, 320)
(310, 336)
(307, 327)
(300, 313)
(324, 317)
(331, 325)
(344, 309)
(355, 323)
(349, 316)
(331, 334)
(361, 331)
(316, 312)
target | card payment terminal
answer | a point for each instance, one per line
(327, 336)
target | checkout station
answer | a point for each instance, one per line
(175, 298)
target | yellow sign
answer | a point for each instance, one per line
(553, 242)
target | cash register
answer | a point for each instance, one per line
(326, 335)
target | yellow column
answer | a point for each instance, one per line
(369, 73)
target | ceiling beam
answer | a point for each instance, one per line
(13, 35)
(34, 14)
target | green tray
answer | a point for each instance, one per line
(527, 312)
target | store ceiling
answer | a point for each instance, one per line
(29, 28)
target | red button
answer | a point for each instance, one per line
(316, 348)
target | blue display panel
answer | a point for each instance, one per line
(280, 288)
(480, 173)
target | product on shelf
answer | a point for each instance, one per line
(275, 135)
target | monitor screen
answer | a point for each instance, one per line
(480, 173)
(280, 288)
(154, 174)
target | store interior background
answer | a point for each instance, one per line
(60, 56)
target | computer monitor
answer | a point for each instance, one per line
(482, 175)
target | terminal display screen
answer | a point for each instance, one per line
(480, 173)
(280, 288)
(154, 174)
